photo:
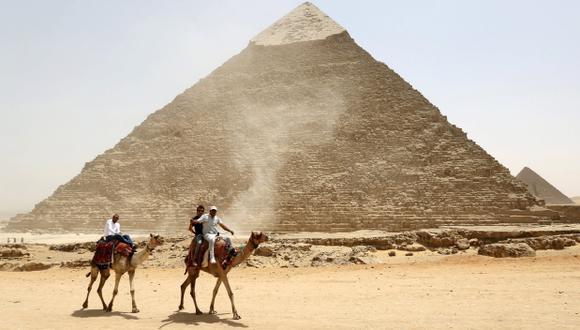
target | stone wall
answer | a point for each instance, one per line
(568, 213)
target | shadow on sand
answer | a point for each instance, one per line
(193, 319)
(101, 313)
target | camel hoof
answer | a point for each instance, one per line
(135, 310)
(198, 312)
(109, 309)
(85, 305)
(237, 317)
(212, 312)
(180, 307)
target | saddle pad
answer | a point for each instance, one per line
(103, 254)
(123, 249)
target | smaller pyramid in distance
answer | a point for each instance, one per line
(576, 199)
(541, 188)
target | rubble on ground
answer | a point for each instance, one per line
(505, 250)
(308, 251)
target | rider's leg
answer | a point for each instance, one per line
(210, 238)
(198, 243)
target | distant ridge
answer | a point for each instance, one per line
(541, 188)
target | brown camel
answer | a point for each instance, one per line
(222, 274)
(122, 265)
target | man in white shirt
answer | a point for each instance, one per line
(210, 222)
(113, 231)
(112, 226)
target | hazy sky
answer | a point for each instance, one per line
(77, 76)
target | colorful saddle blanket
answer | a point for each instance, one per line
(225, 252)
(103, 256)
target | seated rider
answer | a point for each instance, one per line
(113, 232)
(197, 230)
(210, 230)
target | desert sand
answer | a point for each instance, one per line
(463, 291)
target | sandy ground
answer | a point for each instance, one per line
(424, 292)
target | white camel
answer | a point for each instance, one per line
(121, 265)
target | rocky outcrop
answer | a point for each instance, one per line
(26, 267)
(547, 242)
(73, 247)
(507, 250)
(12, 253)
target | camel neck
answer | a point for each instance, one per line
(244, 254)
(141, 256)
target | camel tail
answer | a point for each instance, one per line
(88, 274)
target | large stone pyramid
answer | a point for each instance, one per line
(541, 188)
(302, 130)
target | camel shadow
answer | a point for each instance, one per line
(193, 319)
(84, 313)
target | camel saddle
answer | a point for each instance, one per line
(105, 251)
(224, 252)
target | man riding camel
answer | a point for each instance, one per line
(210, 231)
(113, 232)
(197, 230)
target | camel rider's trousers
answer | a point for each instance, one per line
(210, 238)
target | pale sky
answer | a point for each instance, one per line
(77, 76)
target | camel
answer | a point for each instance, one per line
(222, 274)
(121, 265)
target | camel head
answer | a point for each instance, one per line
(154, 241)
(257, 237)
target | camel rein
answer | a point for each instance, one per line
(253, 247)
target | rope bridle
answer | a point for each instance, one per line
(150, 249)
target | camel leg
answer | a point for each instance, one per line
(105, 273)
(131, 276)
(94, 274)
(224, 278)
(115, 290)
(215, 291)
(183, 287)
(194, 277)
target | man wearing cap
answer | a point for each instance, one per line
(210, 231)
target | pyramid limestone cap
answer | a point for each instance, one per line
(305, 23)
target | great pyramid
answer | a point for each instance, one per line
(541, 188)
(301, 131)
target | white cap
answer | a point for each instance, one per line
(213, 208)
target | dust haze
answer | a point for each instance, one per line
(266, 138)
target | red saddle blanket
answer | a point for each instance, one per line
(103, 256)
(224, 252)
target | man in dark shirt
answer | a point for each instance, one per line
(197, 230)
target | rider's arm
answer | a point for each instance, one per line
(202, 219)
(226, 227)
(191, 226)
